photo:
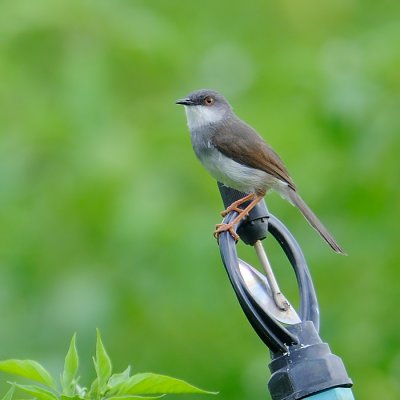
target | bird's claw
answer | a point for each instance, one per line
(232, 207)
(223, 228)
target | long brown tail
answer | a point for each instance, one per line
(314, 221)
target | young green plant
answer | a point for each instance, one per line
(106, 386)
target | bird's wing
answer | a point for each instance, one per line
(240, 142)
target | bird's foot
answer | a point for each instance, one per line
(235, 205)
(232, 207)
(219, 228)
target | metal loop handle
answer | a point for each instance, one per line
(271, 331)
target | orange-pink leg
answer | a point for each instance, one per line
(235, 205)
(230, 227)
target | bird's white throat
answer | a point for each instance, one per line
(199, 116)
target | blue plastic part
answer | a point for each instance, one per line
(333, 394)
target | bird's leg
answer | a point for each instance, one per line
(235, 205)
(230, 226)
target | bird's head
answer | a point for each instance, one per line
(204, 107)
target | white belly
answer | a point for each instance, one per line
(239, 176)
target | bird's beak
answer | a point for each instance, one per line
(185, 102)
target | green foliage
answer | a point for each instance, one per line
(27, 369)
(106, 386)
(9, 394)
(148, 383)
(37, 392)
(71, 365)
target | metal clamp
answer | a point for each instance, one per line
(301, 364)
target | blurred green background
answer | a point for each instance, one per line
(106, 216)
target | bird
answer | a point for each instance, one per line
(236, 155)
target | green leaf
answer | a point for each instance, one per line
(27, 369)
(9, 394)
(71, 365)
(102, 364)
(94, 389)
(149, 383)
(76, 397)
(37, 392)
(117, 379)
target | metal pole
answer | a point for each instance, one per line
(279, 298)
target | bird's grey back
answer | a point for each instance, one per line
(238, 141)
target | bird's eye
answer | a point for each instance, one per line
(209, 101)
